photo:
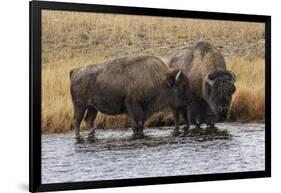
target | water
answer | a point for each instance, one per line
(235, 147)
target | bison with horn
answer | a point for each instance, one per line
(212, 85)
(137, 86)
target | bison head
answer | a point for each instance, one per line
(178, 85)
(218, 88)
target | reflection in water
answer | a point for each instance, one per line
(115, 155)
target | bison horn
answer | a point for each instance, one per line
(178, 75)
(208, 80)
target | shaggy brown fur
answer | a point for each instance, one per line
(212, 85)
(137, 86)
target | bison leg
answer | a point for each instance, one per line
(198, 122)
(90, 117)
(210, 118)
(138, 131)
(78, 116)
(184, 112)
(137, 117)
(137, 127)
(195, 113)
(210, 123)
(176, 114)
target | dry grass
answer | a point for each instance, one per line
(249, 100)
(71, 39)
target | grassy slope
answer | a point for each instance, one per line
(72, 39)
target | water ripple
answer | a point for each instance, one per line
(114, 155)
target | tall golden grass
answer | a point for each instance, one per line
(73, 39)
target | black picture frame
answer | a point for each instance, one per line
(35, 9)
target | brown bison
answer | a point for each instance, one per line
(136, 86)
(212, 85)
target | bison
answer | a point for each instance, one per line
(137, 86)
(212, 85)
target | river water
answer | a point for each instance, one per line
(234, 147)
